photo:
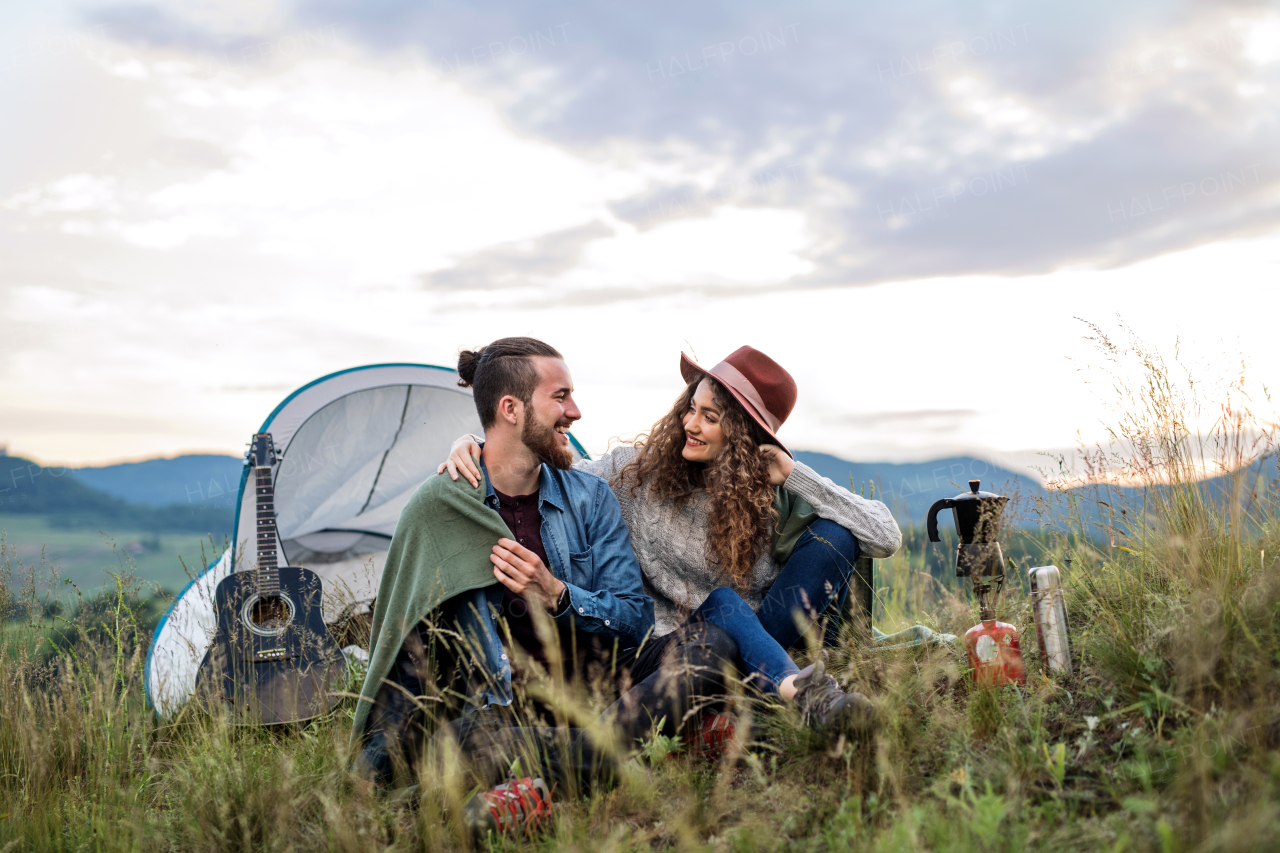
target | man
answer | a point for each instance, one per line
(568, 591)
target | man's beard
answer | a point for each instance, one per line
(544, 442)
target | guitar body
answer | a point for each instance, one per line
(272, 660)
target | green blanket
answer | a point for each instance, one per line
(794, 517)
(440, 549)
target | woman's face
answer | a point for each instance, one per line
(703, 437)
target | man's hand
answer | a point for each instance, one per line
(464, 456)
(780, 464)
(519, 570)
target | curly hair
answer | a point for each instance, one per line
(742, 515)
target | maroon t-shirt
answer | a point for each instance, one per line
(524, 520)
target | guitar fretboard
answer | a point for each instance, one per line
(268, 577)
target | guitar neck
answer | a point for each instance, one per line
(268, 575)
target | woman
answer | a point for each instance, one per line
(728, 528)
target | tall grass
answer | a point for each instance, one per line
(1167, 737)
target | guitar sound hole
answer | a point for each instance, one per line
(268, 614)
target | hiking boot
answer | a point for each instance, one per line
(713, 737)
(825, 707)
(515, 806)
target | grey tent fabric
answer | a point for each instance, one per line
(353, 464)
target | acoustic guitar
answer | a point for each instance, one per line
(272, 660)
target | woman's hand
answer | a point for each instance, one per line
(464, 456)
(780, 464)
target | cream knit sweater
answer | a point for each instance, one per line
(670, 541)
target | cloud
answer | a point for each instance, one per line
(196, 154)
(728, 253)
(934, 139)
(381, 171)
(918, 422)
(774, 187)
(74, 193)
(226, 30)
(519, 263)
(914, 416)
(269, 388)
(69, 420)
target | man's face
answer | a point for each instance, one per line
(550, 413)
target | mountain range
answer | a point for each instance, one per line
(910, 488)
(141, 495)
(202, 479)
(198, 491)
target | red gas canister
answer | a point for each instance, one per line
(995, 654)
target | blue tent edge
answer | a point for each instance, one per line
(146, 680)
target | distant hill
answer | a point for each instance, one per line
(197, 492)
(27, 487)
(206, 485)
(910, 488)
(194, 479)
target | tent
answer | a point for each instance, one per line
(355, 445)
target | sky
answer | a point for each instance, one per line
(916, 208)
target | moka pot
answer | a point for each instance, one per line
(977, 515)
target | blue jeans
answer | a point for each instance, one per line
(816, 576)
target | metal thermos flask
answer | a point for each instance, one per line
(1050, 610)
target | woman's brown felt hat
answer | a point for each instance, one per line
(765, 390)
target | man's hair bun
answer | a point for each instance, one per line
(468, 360)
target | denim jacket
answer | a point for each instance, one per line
(589, 548)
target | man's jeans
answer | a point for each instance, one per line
(676, 678)
(815, 578)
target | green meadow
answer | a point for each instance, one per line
(86, 556)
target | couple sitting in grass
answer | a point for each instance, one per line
(651, 573)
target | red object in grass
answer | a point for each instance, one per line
(713, 737)
(517, 805)
(995, 654)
